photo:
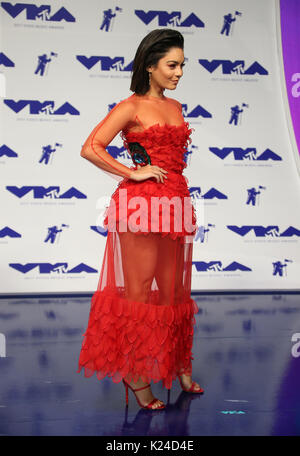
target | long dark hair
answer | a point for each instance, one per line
(152, 48)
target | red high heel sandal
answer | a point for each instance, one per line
(148, 406)
(192, 387)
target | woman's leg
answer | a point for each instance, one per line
(139, 257)
(170, 278)
(169, 270)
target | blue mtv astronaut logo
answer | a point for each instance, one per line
(237, 67)
(173, 19)
(253, 195)
(53, 233)
(236, 114)
(202, 232)
(37, 107)
(271, 231)
(249, 153)
(187, 155)
(40, 192)
(47, 153)
(56, 268)
(43, 63)
(108, 18)
(105, 63)
(34, 12)
(280, 267)
(213, 193)
(217, 266)
(229, 19)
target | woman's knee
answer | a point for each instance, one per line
(139, 292)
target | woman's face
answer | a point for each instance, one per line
(168, 70)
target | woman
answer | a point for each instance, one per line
(141, 318)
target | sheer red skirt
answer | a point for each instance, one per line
(141, 319)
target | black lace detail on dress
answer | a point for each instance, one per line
(139, 154)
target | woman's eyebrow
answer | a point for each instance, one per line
(176, 61)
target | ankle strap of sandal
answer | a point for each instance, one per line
(143, 387)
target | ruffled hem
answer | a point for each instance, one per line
(130, 339)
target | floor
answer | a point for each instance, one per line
(246, 357)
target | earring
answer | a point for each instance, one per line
(149, 72)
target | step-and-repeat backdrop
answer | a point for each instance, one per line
(65, 64)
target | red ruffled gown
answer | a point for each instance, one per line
(141, 319)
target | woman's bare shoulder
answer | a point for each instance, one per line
(125, 107)
(175, 102)
(127, 103)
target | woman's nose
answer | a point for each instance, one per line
(179, 72)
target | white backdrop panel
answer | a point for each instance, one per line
(242, 175)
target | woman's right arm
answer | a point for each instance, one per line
(94, 148)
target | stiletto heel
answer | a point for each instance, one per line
(192, 387)
(126, 393)
(148, 406)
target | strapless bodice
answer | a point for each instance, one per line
(161, 145)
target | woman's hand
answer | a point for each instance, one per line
(144, 172)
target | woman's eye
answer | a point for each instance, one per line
(173, 66)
